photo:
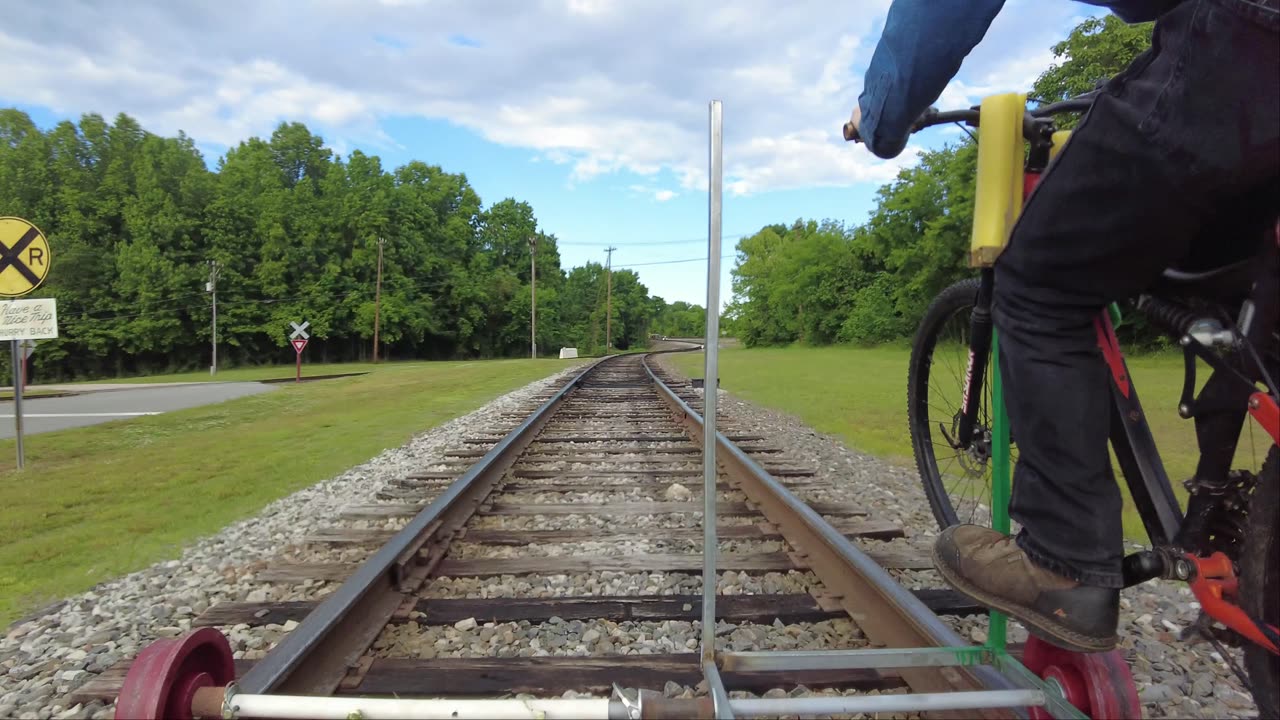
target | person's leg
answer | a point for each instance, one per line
(1189, 124)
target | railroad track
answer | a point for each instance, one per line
(559, 554)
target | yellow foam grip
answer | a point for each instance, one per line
(999, 190)
(1059, 139)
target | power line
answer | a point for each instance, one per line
(673, 262)
(139, 303)
(71, 318)
(74, 317)
(651, 244)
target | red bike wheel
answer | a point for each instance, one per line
(164, 677)
(1098, 684)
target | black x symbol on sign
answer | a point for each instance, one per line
(9, 256)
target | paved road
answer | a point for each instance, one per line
(104, 403)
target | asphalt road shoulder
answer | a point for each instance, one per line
(98, 403)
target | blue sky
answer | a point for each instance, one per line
(593, 111)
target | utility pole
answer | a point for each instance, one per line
(212, 288)
(533, 297)
(608, 300)
(377, 303)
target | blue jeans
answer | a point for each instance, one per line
(1167, 151)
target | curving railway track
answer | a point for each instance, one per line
(560, 556)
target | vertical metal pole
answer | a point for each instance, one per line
(299, 376)
(213, 340)
(377, 307)
(1000, 482)
(533, 297)
(16, 353)
(709, 542)
(608, 301)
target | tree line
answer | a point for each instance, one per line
(138, 223)
(821, 282)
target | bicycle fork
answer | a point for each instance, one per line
(980, 325)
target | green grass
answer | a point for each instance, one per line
(860, 395)
(28, 393)
(254, 373)
(98, 502)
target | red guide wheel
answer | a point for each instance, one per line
(165, 676)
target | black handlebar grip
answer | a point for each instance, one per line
(851, 132)
(925, 119)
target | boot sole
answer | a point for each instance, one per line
(1036, 623)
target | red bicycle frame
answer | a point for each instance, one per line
(1212, 579)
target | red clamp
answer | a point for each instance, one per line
(1267, 413)
(1215, 585)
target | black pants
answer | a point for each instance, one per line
(1191, 127)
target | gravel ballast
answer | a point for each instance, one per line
(1175, 679)
(42, 659)
(47, 656)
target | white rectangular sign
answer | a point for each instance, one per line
(33, 319)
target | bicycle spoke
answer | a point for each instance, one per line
(960, 476)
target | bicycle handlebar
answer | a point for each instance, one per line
(970, 117)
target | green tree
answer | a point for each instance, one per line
(1095, 51)
(136, 219)
(819, 282)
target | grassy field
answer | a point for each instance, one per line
(248, 374)
(859, 395)
(28, 393)
(101, 501)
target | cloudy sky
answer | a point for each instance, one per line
(594, 111)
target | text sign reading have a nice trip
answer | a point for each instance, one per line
(35, 319)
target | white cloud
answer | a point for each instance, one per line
(1016, 76)
(589, 7)
(599, 85)
(659, 194)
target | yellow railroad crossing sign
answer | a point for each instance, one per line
(24, 257)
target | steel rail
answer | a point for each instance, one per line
(315, 657)
(889, 614)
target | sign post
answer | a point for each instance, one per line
(28, 349)
(298, 338)
(24, 264)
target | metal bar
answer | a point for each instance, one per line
(997, 623)
(710, 373)
(15, 353)
(314, 658)
(339, 708)
(1055, 704)
(720, 703)
(870, 704)
(793, 660)
(866, 589)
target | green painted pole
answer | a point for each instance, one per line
(1000, 482)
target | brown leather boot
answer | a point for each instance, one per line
(990, 568)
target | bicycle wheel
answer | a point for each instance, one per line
(957, 480)
(1260, 582)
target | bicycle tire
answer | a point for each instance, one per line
(1260, 582)
(924, 413)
